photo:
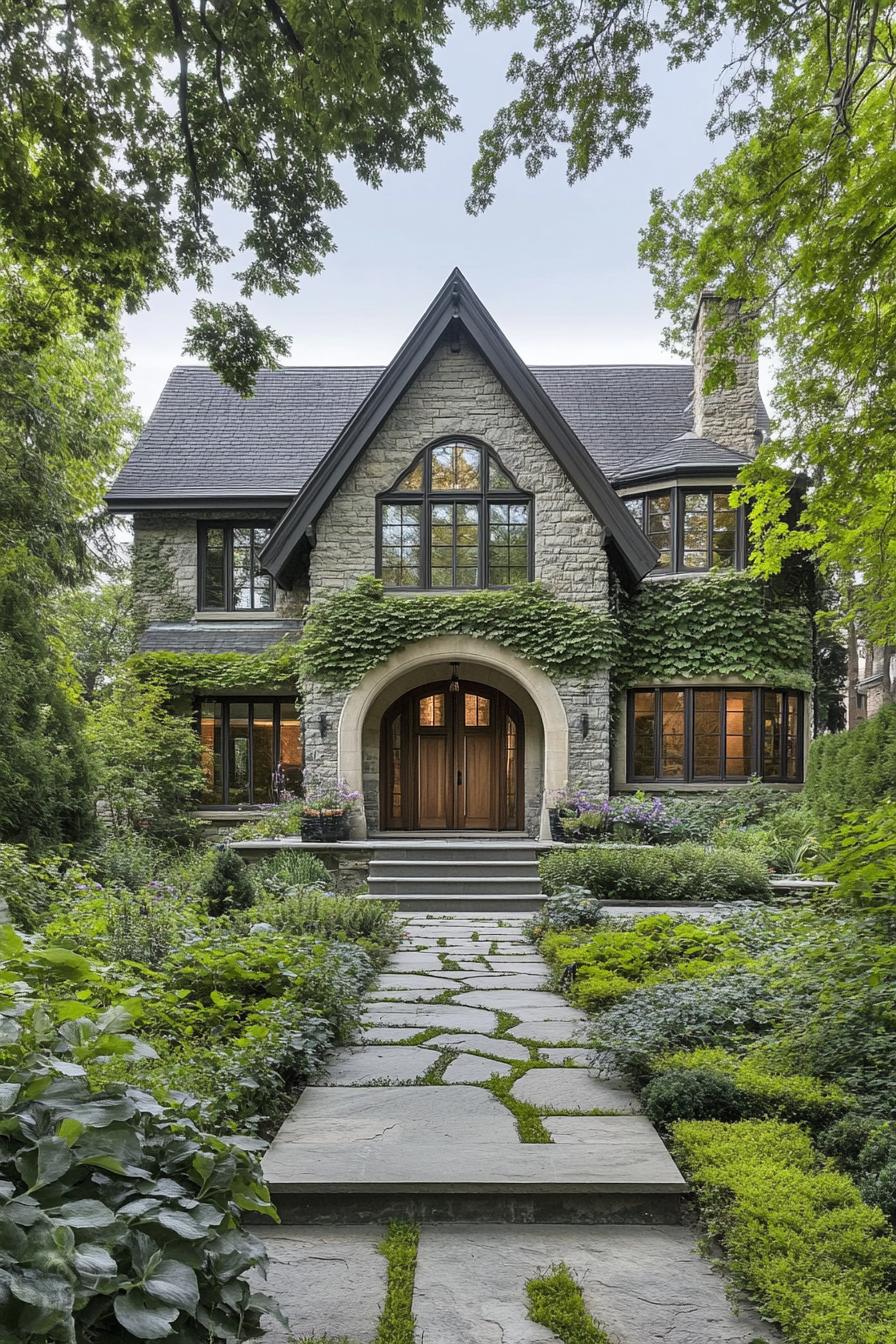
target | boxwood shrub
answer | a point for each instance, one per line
(685, 872)
(797, 1236)
(784, 1096)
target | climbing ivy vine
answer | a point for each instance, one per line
(717, 625)
(198, 673)
(347, 634)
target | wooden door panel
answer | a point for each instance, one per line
(432, 782)
(478, 780)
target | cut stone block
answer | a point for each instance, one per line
(380, 995)
(551, 1011)
(388, 982)
(326, 1280)
(386, 1035)
(413, 961)
(420, 1015)
(343, 1117)
(486, 1045)
(634, 1133)
(573, 1090)
(511, 999)
(486, 981)
(473, 1069)
(643, 1285)
(378, 1063)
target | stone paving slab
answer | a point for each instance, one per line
(573, 1090)
(550, 1033)
(386, 1035)
(551, 1012)
(644, 1285)
(505, 981)
(422, 1015)
(389, 981)
(486, 1045)
(511, 999)
(634, 1131)
(576, 1056)
(474, 1069)
(413, 961)
(346, 1117)
(327, 1281)
(467, 1167)
(378, 1063)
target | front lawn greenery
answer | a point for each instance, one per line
(556, 1302)
(797, 1236)
(354, 630)
(683, 872)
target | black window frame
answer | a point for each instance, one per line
(426, 497)
(228, 526)
(688, 775)
(676, 495)
(225, 701)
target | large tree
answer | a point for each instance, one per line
(799, 217)
(125, 128)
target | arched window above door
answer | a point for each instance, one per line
(454, 519)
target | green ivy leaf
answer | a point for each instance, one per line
(143, 1317)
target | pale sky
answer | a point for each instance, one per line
(556, 265)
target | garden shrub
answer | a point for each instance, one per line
(276, 822)
(863, 858)
(291, 869)
(684, 872)
(228, 885)
(692, 1094)
(725, 1009)
(865, 1148)
(569, 908)
(853, 771)
(25, 896)
(121, 1218)
(798, 1237)
(764, 1094)
(304, 912)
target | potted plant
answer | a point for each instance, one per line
(566, 805)
(325, 813)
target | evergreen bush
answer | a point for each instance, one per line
(685, 872)
(692, 1094)
(852, 772)
(228, 886)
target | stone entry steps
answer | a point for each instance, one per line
(457, 876)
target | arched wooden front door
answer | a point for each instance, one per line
(452, 760)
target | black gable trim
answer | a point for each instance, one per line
(457, 304)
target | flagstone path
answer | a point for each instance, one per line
(472, 1102)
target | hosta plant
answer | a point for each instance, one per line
(119, 1218)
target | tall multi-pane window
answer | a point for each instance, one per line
(251, 750)
(230, 575)
(700, 734)
(455, 519)
(693, 530)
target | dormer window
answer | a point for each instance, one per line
(455, 519)
(229, 575)
(694, 529)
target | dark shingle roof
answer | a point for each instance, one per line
(215, 636)
(685, 453)
(202, 440)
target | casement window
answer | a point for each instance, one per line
(229, 575)
(251, 750)
(714, 735)
(455, 519)
(693, 530)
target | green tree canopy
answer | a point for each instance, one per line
(125, 128)
(799, 218)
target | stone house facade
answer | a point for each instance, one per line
(456, 469)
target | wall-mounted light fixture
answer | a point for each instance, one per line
(585, 724)
(324, 725)
(454, 683)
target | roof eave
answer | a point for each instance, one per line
(680, 469)
(456, 301)
(125, 503)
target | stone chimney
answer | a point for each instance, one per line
(729, 415)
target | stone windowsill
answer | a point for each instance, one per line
(727, 785)
(272, 617)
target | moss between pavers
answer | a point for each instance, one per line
(399, 1246)
(556, 1301)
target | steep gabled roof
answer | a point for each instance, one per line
(687, 455)
(456, 307)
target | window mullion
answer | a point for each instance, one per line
(228, 568)
(657, 732)
(687, 765)
(225, 751)
(710, 505)
(723, 734)
(250, 751)
(251, 568)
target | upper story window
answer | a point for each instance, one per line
(455, 519)
(693, 530)
(714, 734)
(229, 574)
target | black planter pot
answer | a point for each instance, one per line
(325, 827)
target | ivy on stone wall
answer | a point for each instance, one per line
(155, 583)
(715, 625)
(354, 630)
(203, 673)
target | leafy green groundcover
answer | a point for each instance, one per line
(683, 872)
(120, 1218)
(556, 1301)
(796, 1234)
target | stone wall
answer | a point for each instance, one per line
(457, 393)
(589, 752)
(165, 565)
(728, 415)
